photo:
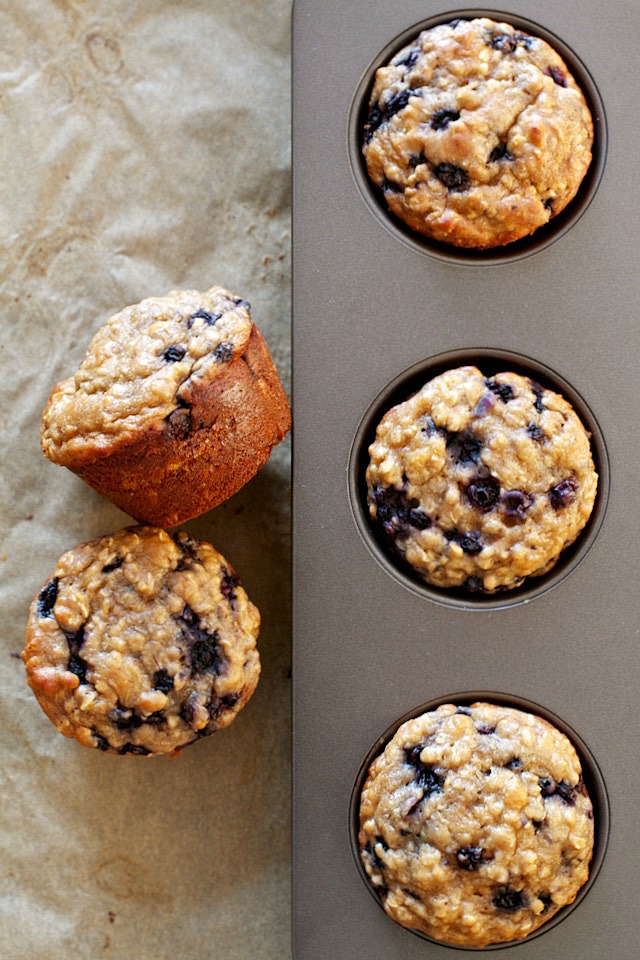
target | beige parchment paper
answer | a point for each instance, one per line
(144, 146)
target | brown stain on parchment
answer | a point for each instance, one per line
(123, 878)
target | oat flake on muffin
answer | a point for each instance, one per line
(477, 133)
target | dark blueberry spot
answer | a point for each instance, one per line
(454, 178)
(515, 503)
(507, 42)
(426, 775)
(547, 786)
(374, 120)
(228, 584)
(47, 598)
(390, 186)
(474, 584)
(537, 824)
(113, 564)
(539, 394)
(223, 352)
(502, 390)
(396, 513)
(189, 549)
(188, 710)
(557, 75)
(210, 318)
(219, 705)
(465, 711)
(203, 646)
(179, 422)
(370, 851)
(546, 900)
(456, 23)
(567, 793)
(470, 858)
(76, 665)
(485, 729)
(101, 742)
(563, 493)
(464, 447)
(536, 433)
(469, 542)
(483, 493)
(429, 427)
(547, 203)
(134, 749)
(155, 718)
(381, 114)
(514, 764)
(500, 152)
(162, 681)
(174, 353)
(125, 719)
(507, 899)
(409, 59)
(243, 303)
(416, 160)
(442, 118)
(396, 103)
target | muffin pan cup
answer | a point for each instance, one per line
(371, 308)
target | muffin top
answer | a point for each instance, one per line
(477, 133)
(139, 368)
(475, 824)
(142, 642)
(478, 482)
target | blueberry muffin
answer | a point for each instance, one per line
(475, 824)
(142, 642)
(176, 405)
(477, 134)
(479, 482)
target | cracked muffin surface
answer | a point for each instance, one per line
(176, 405)
(142, 642)
(477, 133)
(138, 366)
(475, 824)
(479, 482)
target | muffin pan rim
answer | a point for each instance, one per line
(545, 235)
(394, 392)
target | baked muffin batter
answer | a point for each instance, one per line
(142, 642)
(477, 133)
(176, 405)
(475, 824)
(479, 482)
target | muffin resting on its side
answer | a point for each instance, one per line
(175, 407)
(477, 134)
(142, 642)
(475, 824)
(479, 482)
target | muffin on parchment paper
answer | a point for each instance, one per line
(479, 482)
(477, 133)
(142, 642)
(475, 824)
(176, 405)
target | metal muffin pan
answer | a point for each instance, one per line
(374, 310)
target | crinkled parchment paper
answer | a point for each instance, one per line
(144, 146)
